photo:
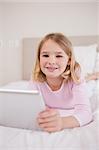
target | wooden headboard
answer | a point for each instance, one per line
(30, 47)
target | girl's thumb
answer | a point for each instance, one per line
(47, 108)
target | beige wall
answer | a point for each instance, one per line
(36, 19)
(98, 16)
(1, 44)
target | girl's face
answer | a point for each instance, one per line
(53, 59)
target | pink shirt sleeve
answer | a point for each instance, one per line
(82, 108)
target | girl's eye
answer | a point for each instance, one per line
(59, 56)
(45, 55)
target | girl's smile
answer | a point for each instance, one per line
(51, 68)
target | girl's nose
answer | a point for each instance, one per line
(52, 60)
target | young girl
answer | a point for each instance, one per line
(58, 77)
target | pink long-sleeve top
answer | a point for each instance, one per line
(71, 99)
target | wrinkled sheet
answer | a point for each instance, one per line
(84, 138)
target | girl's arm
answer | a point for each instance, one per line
(51, 121)
(70, 122)
(82, 105)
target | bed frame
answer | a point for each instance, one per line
(30, 46)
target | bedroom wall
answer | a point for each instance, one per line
(98, 16)
(36, 19)
(1, 43)
(28, 19)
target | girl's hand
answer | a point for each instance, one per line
(50, 120)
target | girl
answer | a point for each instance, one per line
(57, 76)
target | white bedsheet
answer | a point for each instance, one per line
(83, 138)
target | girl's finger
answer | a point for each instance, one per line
(48, 113)
(47, 119)
(48, 124)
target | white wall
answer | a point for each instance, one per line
(36, 19)
(1, 43)
(98, 16)
(28, 19)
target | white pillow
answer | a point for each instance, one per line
(86, 57)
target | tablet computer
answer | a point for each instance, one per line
(20, 108)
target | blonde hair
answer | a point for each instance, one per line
(72, 69)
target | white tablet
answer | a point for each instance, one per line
(20, 108)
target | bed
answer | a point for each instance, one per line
(83, 138)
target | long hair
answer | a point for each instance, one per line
(72, 71)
